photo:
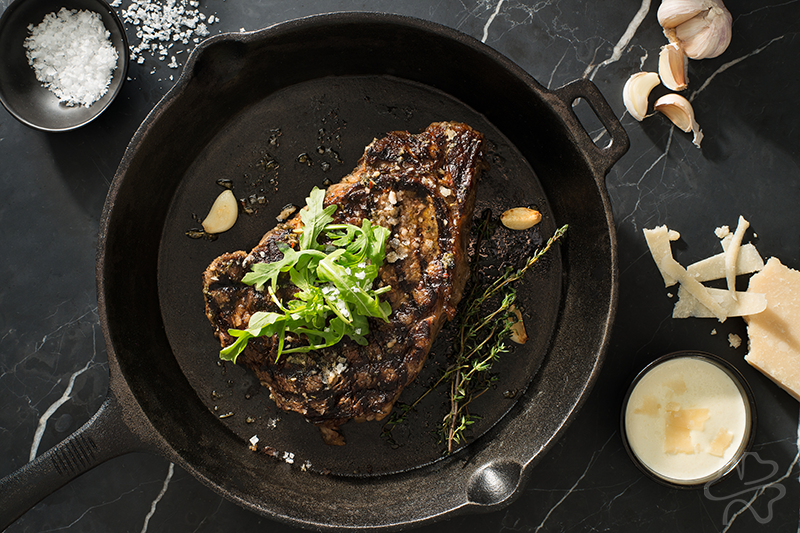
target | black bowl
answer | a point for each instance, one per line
(22, 94)
(744, 446)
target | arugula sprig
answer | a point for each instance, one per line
(334, 281)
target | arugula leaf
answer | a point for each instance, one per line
(314, 218)
(334, 296)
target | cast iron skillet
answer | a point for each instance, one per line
(278, 111)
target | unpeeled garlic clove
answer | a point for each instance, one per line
(636, 92)
(672, 13)
(678, 109)
(706, 35)
(702, 27)
(223, 213)
(672, 67)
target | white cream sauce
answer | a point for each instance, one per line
(690, 383)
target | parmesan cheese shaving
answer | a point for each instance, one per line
(732, 254)
(713, 267)
(694, 287)
(746, 303)
(658, 240)
(697, 300)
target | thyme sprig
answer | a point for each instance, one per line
(482, 332)
(484, 324)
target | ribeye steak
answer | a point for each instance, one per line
(422, 188)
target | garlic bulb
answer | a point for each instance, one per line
(672, 67)
(636, 92)
(702, 27)
(678, 109)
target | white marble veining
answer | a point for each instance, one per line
(52, 367)
(154, 504)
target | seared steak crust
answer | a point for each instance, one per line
(421, 187)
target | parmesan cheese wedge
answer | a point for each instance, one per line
(775, 333)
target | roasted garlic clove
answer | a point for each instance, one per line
(518, 333)
(520, 218)
(672, 67)
(702, 27)
(223, 213)
(678, 109)
(637, 91)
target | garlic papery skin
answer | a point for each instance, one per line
(673, 66)
(678, 109)
(706, 35)
(671, 13)
(702, 27)
(637, 91)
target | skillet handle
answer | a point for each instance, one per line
(601, 159)
(103, 437)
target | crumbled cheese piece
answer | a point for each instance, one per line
(774, 334)
(734, 340)
(649, 406)
(720, 443)
(72, 55)
(679, 425)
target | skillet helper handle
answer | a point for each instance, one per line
(103, 437)
(601, 159)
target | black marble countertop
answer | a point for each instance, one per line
(53, 365)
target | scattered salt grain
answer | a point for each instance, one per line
(72, 55)
(160, 25)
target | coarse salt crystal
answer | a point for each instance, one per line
(170, 21)
(72, 55)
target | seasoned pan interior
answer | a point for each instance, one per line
(274, 152)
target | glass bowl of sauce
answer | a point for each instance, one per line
(688, 419)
